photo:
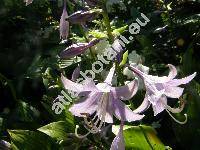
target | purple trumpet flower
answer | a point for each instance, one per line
(159, 88)
(103, 100)
(28, 2)
(77, 49)
(80, 17)
(64, 25)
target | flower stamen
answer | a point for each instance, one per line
(95, 124)
(180, 122)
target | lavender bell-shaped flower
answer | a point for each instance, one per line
(80, 17)
(64, 25)
(28, 2)
(77, 49)
(103, 100)
(159, 88)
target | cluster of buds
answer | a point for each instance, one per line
(79, 17)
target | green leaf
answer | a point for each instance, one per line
(124, 60)
(119, 31)
(57, 130)
(30, 140)
(63, 63)
(98, 34)
(25, 112)
(141, 138)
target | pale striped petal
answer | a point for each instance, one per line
(125, 92)
(124, 113)
(87, 105)
(143, 107)
(109, 77)
(177, 82)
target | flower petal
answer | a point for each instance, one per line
(76, 73)
(87, 105)
(177, 82)
(76, 87)
(118, 142)
(149, 78)
(125, 92)
(173, 71)
(109, 77)
(173, 92)
(109, 109)
(123, 113)
(160, 105)
(143, 107)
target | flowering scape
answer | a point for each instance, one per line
(100, 101)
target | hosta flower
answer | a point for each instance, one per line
(64, 25)
(118, 142)
(103, 100)
(159, 88)
(80, 17)
(77, 49)
(28, 2)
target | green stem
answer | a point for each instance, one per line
(107, 24)
(86, 39)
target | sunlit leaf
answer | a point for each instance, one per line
(124, 60)
(119, 31)
(57, 130)
(30, 140)
(141, 138)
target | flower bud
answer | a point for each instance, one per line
(77, 49)
(64, 25)
(80, 17)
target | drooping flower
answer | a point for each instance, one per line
(103, 100)
(118, 142)
(64, 25)
(28, 2)
(159, 88)
(80, 17)
(77, 49)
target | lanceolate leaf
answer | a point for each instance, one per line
(124, 60)
(31, 140)
(57, 130)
